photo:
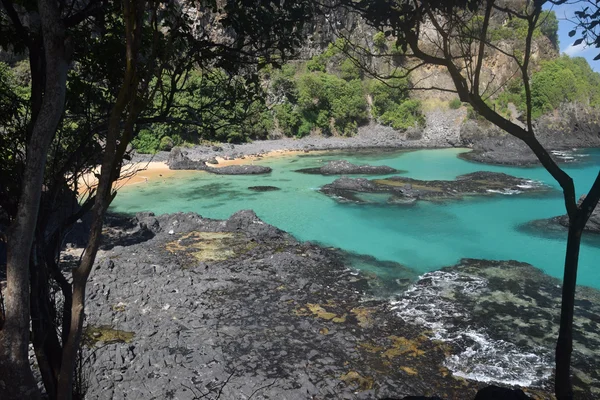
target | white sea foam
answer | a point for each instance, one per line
(506, 192)
(431, 303)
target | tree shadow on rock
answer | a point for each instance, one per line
(122, 230)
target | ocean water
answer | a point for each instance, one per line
(424, 237)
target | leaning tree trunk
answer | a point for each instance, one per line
(125, 105)
(16, 379)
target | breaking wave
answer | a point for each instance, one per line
(433, 302)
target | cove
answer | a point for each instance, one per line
(424, 237)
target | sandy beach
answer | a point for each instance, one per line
(150, 171)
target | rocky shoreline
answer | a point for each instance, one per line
(238, 308)
(445, 129)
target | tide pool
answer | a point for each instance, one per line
(424, 237)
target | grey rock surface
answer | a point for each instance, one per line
(343, 167)
(237, 309)
(179, 160)
(401, 190)
(559, 225)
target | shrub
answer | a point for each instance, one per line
(304, 129)
(287, 118)
(455, 104)
(166, 144)
(563, 80)
(388, 95)
(379, 41)
(350, 71)
(316, 64)
(146, 142)
(323, 97)
(405, 115)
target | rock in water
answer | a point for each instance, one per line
(593, 224)
(402, 190)
(343, 167)
(264, 188)
(239, 170)
(560, 224)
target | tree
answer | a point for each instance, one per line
(456, 35)
(156, 46)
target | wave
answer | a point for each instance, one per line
(433, 302)
(506, 192)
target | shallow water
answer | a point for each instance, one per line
(424, 237)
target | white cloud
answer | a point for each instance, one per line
(572, 51)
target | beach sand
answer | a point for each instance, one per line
(144, 172)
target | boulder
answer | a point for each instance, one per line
(178, 160)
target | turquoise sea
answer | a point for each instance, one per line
(424, 237)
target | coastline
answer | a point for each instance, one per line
(442, 131)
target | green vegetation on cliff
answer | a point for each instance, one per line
(557, 81)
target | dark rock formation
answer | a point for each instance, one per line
(239, 170)
(240, 307)
(263, 188)
(560, 224)
(593, 224)
(343, 167)
(500, 393)
(178, 160)
(572, 127)
(400, 190)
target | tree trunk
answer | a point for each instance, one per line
(564, 346)
(16, 378)
(44, 334)
(125, 104)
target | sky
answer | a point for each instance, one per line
(564, 12)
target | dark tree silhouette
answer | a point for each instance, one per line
(456, 41)
(139, 50)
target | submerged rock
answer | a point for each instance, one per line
(343, 167)
(401, 190)
(178, 160)
(263, 188)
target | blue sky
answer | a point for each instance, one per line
(566, 11)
